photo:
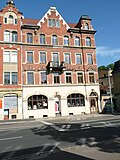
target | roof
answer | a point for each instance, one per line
(30, 21)
(72, 25)
(85, 17)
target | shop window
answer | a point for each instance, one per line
(76, 100)
(37, 102)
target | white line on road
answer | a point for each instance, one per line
(11, 138)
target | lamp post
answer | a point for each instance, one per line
(111, 101)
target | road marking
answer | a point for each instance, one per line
(10, 138)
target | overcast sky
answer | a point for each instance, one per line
(105, 16)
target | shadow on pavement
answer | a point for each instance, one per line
(41, 153)
(106, 139)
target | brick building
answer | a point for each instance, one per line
(48, 66)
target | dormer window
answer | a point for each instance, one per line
(54, 23)
(86, 26)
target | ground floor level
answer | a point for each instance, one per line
(49, 101)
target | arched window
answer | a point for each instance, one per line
(54, 40)
(88, 41)
(77, 41)
(42, 39)
(37, 102)
(66, 40)
(11, 19)
(76, 100)
(29, 38)
(86, 26)
(14, 36)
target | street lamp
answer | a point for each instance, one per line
(111, 101)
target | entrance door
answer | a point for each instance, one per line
(6, 114)
(57, 106)
(93, 105)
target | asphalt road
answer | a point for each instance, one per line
(51, 140)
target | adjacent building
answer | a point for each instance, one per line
(116, 80)
(47, 66)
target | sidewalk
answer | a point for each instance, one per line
(81, 117)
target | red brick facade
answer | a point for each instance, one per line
(52, 24)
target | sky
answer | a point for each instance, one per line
(105, 15)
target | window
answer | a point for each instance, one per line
(37, 102)
(42, 39)
(30, 78)
(6, 78)
(80, 77)
(10, 56)
(86, 26)
(54, 23)
(88, 41)
(7, 36)
(75, 100)
(29, 38)
(55, 59)
(57, 23)
(56, 78)
(29, 57)
(43, 78)
(14, 77)
(89, 58)
(67, 58)
(68, 78)
(78, 58)
(11, 19)
(10, 78)
(5, 20)
(66, 40)
(91, 78)
(42, 57)
(15, 21)
(77, 41)
(54, 40)
(14, 36)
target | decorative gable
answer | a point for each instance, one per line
(49, 12)
(91, 69)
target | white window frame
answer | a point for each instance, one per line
(33, 77)
(66, 40)
(76, 59)
(10, 78)
(40, 80)
(89, 76)
(26, 56)
(76, 40)
(82, 77)
(67, 53)
(7, 36)
(66, 77)
(45, 57)
(91, 59)
(11, 53)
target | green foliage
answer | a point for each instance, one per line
(106, 67)
(102, 68)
